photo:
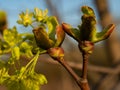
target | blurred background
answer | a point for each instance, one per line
(104, 63)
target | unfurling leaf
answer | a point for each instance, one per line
(42, 38)
(51, 24)
(56, 52)
(87, 11)
(105, 33)
(25, 18)
(88, 28)
(60, 34)
(73, 32)
(86, 34)
(40, 15)
(26, 78)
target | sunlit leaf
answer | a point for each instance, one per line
(25, 18)
(11, 36)
(73, 32)
(26, 49)
(52, 23)
(40, 14)
(3, 75)
(105, 33)
(16, 53)
(87, 11)
(60, 34)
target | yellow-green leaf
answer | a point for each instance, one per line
(73, 32)
(16, 53)
(51, 24)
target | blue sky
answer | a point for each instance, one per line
(68, 10)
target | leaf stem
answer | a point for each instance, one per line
(30, 66)
(32, 26)
(34, 59)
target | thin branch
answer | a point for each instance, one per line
(69, 69)
(112, 44)
(93, 68)
(82, 83)
(85, 65)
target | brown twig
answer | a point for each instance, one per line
(84, 71)
(69, 69)
(86, 48)
(82, 83)
(93, 68)
(85, 64)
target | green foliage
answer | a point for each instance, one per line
(45, 30)
(73, 32)
(25, 18)
(26, 78)
(87, 11)
(47, 37)
(25, 49)
(4, 47)
(47, 33)
(11, 36)
(87, 30)
(19, 44)
(52, 23)
(3, 75)
(16, 53)
(40, 15)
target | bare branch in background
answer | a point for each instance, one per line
(112, 44)
(53, 9)
(91, 68)
(112, 47)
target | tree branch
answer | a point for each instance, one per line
(93, 68)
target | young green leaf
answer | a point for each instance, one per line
(3, 75)
(105, 33)
(51, 24)
(26, 49)
(25, 18)
(40, 15)
(87, 11)
(16, 53)
(11, 36)
(73, 32)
